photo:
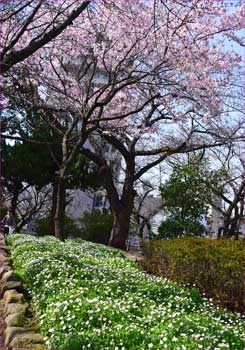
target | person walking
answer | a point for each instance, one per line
(9, 223)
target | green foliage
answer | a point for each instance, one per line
(26, 163)
(71, 228)
(94, 227)
(33, 164)
(175, 226)
(83, 174)
(3, 212)
(89, 296)
(97, 226)
(186, 196)
(214, 266)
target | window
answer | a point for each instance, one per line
(98, 201)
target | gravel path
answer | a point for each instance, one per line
(134, 256)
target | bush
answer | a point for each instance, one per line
(3, 211)
(174, 227)
(97, 226)
(71, 228)
(214, 266)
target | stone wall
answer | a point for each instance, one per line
(21, 330)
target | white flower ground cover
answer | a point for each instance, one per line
(89, 296)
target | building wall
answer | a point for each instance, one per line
(81, 202)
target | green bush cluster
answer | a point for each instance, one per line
(94, 227)
(71, 227)
(215, 267)
(3, 211)
(176, 226)
(89, 296)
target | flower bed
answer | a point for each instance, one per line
(89, 296)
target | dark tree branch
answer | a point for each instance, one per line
(23, 29)
(17, 56)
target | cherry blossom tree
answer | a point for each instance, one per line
(27, 26)
(131, 73)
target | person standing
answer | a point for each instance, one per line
(9, 223)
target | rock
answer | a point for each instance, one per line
(9, 276)
(12, 285)
(3, 252)
(5, 259)
(11, 296)
(15, 320)
(4, 269)
(19, 349)
(27, 341)
(6, 263)
(3, 256)
(15, 308)
(11, 332)
(34, 347)
(4, 249)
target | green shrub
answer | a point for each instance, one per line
(3, 211)
(71, 228)
(175, 226)
(97, 226)
(215, 267)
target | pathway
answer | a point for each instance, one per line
(134, 256)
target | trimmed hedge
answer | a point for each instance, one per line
(215, 267)
(90, 297)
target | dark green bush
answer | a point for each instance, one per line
(71, 228)
(215, 267)
(3, 212)
(97, 226)
(175, 226)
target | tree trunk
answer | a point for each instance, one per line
(231, 224)
(145, 225)
(54, 204)
(123, 209)
(59, 218)
(220, 229)
(21, 224)
(234, 229)
(120, 228)
(227, 220)
(14, 200)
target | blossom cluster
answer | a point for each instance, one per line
(89, 296)
(125, 54)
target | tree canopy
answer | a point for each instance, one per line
(186, 197)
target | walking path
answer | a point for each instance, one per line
(134, 256)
